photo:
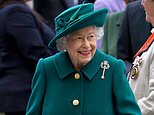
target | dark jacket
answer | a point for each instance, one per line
(49, 9)
(22, 43)
(133, 32)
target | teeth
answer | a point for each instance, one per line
(85, 52)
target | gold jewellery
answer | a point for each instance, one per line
(134, 70)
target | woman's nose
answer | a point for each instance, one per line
(86, 42)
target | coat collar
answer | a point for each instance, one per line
(64, 66)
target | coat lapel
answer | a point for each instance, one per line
(93, 66)
(63, 65)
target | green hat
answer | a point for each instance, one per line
(75, 18)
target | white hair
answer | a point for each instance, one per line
(61, 42)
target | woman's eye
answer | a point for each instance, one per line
(79, 37)
(92, 37)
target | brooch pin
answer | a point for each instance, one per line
(134, 71)
(104, 65)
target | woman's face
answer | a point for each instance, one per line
(149, 10)
(81, 46)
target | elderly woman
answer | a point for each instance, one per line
(80, 80)
(142, 73)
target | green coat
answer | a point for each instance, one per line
(54, 88)
(111, 31)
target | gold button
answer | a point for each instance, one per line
(75, 102)
(77, 76)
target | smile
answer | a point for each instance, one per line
(85, 53)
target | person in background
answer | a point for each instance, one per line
(111, 30)
(141, 76)
(111, 5)
(80, 79)
(133, 32)
(23, 41)
(49, 9)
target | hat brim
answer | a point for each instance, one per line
(96, 17)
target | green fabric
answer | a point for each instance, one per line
(111, 31)
(54, 88)
(76, 18)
